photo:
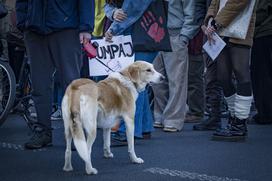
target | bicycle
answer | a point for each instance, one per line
(15, 96)
(7, 89)
(15, 87)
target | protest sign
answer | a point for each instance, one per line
(111, 56)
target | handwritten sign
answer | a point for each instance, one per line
(113, 56)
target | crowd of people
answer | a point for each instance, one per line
(196, 87)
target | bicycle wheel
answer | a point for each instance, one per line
(7, 90)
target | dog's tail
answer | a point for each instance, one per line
(76, 127)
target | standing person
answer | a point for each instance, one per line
(53, 32)
(170, 96)
(213, 94)
(234, 59)
(123, 14)
(261, 63)
(195, 98)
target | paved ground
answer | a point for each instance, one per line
(186, 155)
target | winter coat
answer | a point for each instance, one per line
(228, 14)
(46, 16)
(182, 18)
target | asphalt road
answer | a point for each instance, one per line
(187, 155)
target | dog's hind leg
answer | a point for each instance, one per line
(68, 165)
(90, 140)
(130, 139)
(106, 137)
(68, 136)
(89, 124)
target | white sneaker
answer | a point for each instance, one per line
(57, 115)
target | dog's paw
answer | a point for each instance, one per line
(138, 160)
(91, 171)
(108, 155)
(67, 168)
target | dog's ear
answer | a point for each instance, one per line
(134, 73)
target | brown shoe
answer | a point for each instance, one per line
(146, 135)
(192, 118)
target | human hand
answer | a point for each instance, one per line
(209, 32)
(119, 15)
(84, 37)
(108, 36)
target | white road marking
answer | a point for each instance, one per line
(188, 175)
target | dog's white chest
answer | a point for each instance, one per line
(106, 121)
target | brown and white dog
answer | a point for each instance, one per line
(88, 105)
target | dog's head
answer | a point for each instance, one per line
(142, 73)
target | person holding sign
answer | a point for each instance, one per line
(123, 15)
(223, 18)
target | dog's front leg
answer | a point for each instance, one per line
(106, 137)
(130, 139)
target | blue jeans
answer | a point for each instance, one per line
(143, 116)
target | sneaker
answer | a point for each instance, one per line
(189, 118)
(170, 129)
(57, 115)
(32, 112)
(157, 125)
(118, 139)
(39, 139)
(235, 131)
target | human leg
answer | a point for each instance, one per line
(160, 91)
(213, 98)
(176, 65)
(42, 68)
(261, 66)
(236, 129)
(195, 97)
(66, 53)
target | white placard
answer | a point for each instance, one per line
(113, 56)
(213, 49)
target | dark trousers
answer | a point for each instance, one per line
(60, 50)
(195, 98)
(261, 76)
(213, 90)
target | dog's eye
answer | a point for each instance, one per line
(148, 70)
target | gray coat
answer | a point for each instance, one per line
(182, 17)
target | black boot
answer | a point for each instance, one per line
(235, 131)
(41, 138)
(213, 105)
(210, 124)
